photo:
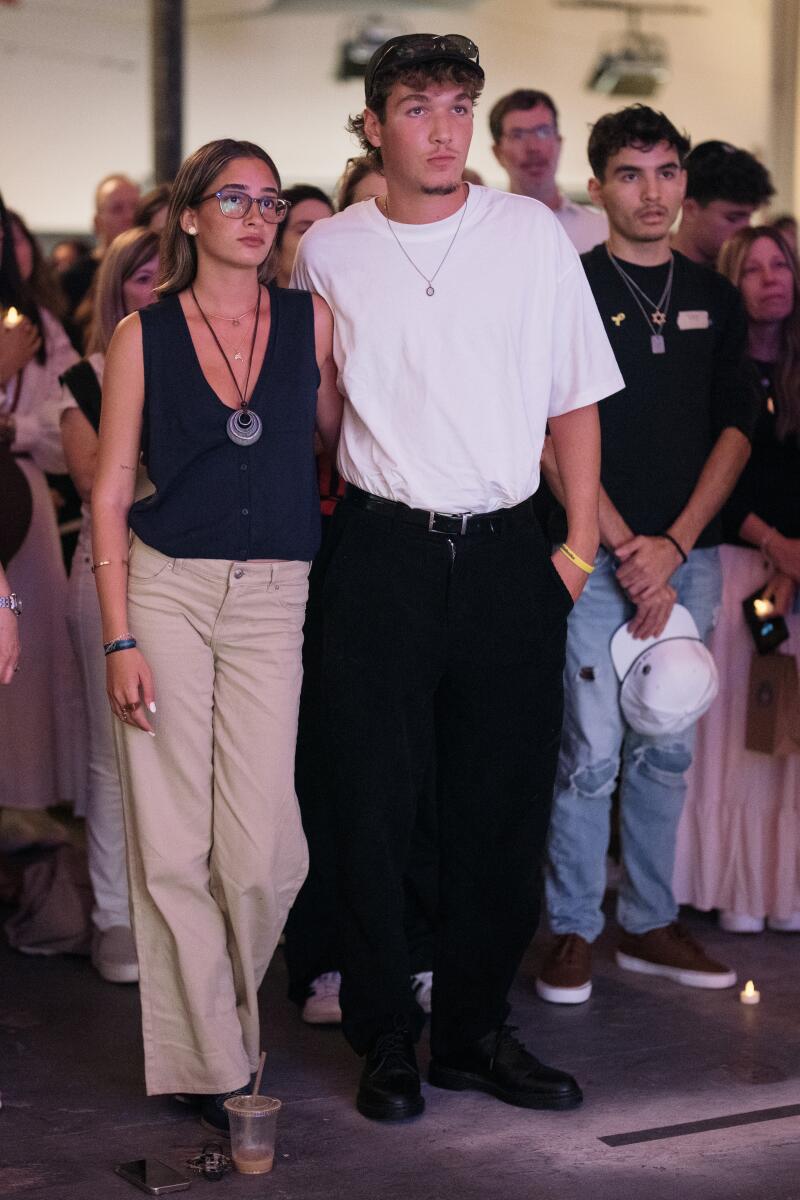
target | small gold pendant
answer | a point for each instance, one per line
(238, 356)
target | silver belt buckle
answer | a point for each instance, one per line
(451, 516)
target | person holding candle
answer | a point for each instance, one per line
(221, 383)
(43, 757)
(125, 283)
(739, 839)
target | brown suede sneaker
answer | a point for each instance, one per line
(673, 952)
(566, 975)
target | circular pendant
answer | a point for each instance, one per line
(429, 290)
(244, 427)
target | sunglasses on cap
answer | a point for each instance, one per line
(412, 48)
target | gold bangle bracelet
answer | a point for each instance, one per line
(108, 562)
(587, 568)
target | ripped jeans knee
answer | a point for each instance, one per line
(595, 779)
(665, 764)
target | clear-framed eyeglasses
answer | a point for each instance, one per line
(536, 133)
(236, 205)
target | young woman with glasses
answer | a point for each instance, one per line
(221, 384)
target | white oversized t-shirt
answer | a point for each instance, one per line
(447, 396)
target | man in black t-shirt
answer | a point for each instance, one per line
(673, 444)
(725, 187)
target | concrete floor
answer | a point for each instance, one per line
(649, 1055)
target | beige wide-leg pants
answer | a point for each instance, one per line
(216, 852)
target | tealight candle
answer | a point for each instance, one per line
(750, 995)
(12, 318)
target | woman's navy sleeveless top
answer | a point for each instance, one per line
(214, 499)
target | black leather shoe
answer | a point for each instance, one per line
(499, 1064)
(389, 1088)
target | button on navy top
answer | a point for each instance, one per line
(214, 499)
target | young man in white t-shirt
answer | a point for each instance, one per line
(464, 323)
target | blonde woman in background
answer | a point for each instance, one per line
(125, 283)
(739, 838)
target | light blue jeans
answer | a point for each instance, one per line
(596, 740)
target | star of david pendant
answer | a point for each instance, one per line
(238, 356)
(659, 318)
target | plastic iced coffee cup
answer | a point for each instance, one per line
(252, 1120)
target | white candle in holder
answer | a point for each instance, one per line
(12, 318)
(750, 995)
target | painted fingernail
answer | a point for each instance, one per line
(152, 706)
(152, 734)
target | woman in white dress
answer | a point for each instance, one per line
(43, 759)
(739, 839)
(124, 284)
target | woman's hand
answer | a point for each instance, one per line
(129, 683)
(9, 644)
(17, 347)
(780, 592)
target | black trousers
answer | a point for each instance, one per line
(456, 643)
(312, 929)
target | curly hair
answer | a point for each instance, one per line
(637, 126)
(417, 77)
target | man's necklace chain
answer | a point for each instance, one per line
(657, 317)
(430, 289)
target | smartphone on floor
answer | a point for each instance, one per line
(153, 1176)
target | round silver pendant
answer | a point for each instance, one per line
(429, 290)
(244, 427)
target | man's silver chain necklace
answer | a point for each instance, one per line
(657, 318)
(430, 289)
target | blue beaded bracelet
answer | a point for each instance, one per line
(124, 643)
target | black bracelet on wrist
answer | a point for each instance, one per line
(123, 643)
(679, 548)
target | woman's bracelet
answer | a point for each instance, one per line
(125, 641)
(108, 562)
(587, 568)
(677, 545)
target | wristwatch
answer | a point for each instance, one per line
(13, 602)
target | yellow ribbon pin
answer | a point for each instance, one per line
(618, 319)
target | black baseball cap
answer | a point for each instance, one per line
(414, 49)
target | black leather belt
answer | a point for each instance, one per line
(460, 524)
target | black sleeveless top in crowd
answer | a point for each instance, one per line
(214, 499)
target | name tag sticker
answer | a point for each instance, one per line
(693, 318)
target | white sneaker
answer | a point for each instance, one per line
(737, 922)
(422, 987)
(114, 954)
(790, 924)
(322, 1005)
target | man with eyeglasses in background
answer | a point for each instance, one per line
(527, 144)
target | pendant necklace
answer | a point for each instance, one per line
(233, 320)
(244, 426)
(657, 317)
(430, 289)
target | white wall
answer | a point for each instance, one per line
(78, 79)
